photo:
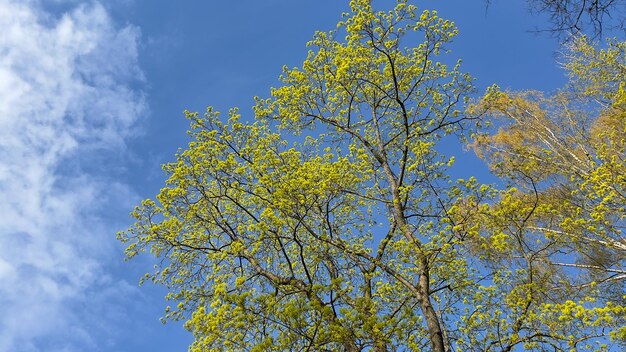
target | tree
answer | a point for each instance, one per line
(329, 221)
(571, 17)
(575, 16)
(563, 217)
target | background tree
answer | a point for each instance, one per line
(575, 16)
(571, 17)
(562, 221)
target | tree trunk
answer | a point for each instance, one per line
(432, 320)
(429, 313)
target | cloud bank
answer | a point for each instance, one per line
(66, 102)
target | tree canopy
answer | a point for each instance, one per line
(329, 220)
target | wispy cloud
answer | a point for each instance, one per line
(66, 99)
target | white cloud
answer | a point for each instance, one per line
(66, 97)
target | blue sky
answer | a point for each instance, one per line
(91, 101)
